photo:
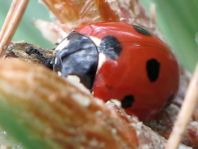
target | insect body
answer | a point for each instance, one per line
(137, 68)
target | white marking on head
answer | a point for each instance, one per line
(55, 61)
(96, 40)
(102, 59)
(62, 44)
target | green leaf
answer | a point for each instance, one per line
(13, 126)
(178, 23)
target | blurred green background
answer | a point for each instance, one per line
(176, 19)
(26, 30)
(178, 23)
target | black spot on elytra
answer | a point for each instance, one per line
(153, 69)
(110, 46)
(127, 101)
(141, 30)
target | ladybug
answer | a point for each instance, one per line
(119, 61)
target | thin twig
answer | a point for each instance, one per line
(14, 17)
(187, 109)
(8, 17)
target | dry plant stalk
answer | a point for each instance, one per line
(11, 23)
(185, 114)
(8, 18)
(51, 108)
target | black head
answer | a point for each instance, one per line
(77, 55)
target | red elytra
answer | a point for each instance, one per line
(144, 77)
